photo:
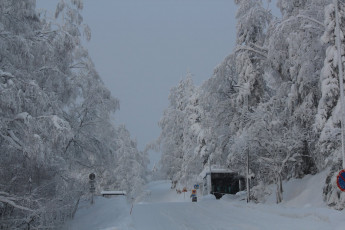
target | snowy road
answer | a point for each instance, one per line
(164, 209)
(214, 215)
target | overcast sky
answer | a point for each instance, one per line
(142, 48)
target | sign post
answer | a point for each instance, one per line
(184, 192)
(341, 180)
(92, 181)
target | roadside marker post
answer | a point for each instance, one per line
(130, 213)
(184, 192)
(193, 195)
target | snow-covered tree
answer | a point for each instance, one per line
(328, 115)
(252, 23)
(193, 140)
(265, 93)
(55, 117)
(130, 169)
(171, 139)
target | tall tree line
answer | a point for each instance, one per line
(55, 119)
(276, 96)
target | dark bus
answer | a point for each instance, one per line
(222, 182)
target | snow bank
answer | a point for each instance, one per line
(305, 192)
(113, 193)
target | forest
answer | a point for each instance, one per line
(56, 122)
(275, 98)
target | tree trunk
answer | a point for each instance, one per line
(279, 192)
(75, 207)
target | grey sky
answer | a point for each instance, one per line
(142, 48)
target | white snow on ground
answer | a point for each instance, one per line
(161, 208)
(160, 192)
(105, 214)
(306, 192)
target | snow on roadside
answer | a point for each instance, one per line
(302, 199)
(305, 192)
(161, 192)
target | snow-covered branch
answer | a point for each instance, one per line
(294, 18)
(11, 201)
(79, 65)
(312, 20)
(6, 75)
(13, 142)
(248, 48)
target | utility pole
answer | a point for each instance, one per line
(245, 118)
(341, 81)
(209, 165)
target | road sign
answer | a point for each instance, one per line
(184, 189)
(92, 176)
(196, 186)
(341, 180)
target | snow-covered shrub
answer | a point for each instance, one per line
(331, 193)
(260, 192)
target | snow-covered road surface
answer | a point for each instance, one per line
(218, 215)
(226, 214)
(163, 209)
